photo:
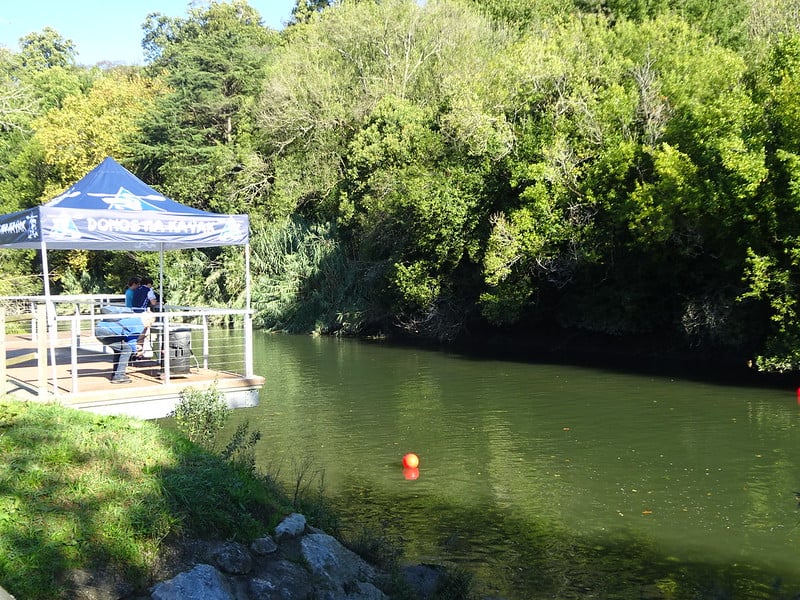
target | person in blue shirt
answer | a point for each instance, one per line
(143, 296)
(145, 300)
(121, 334)
(130, 291)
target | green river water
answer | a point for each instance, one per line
(542, 480)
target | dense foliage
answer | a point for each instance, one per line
(622, 167)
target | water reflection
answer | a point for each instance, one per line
(545, 481)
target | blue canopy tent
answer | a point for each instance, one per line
(112, 209)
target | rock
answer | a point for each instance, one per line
(4, 595)
(328, 559)
(366, 591)
(232, 558)
(292, 526)
(263, 546)
(203, 582)
(300, 563)
(284, 580)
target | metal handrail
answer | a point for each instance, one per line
(170, 317)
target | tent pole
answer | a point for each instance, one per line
(161, 275)
(247, 275)
(248, 317)
(45, 272)
(52, 328)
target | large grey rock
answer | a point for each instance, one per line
(363, 591)
(263, 546)
(284, 580)
(360, 591)
(292, 526)
(328, 559)
(298, 563)
(232, 558)
(203, 582)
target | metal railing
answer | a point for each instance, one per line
(68, 322)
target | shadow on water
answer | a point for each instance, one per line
(632, 355)
(516, 559)
(527, 468)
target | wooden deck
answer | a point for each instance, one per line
(146, 396)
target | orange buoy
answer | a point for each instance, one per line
(411, 461)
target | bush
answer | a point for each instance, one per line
(200, 414)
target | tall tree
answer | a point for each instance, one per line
(199, 133)
(88, 127)
(638, 156)
(773, 273)
(46, 49)
(198, 140)
(398, 114)
(69, 141)
(304, 10)
(525, 14)
(29, 92)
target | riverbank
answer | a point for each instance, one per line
(80, 490)
(106, 507)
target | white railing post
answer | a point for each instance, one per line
(41, 350)
(205, 342)
(2, 350)
(75, 340)
(165, 349)
(248, 344)
(33, 319)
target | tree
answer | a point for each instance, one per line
(399, 115)
(770, 19)
(71, 140)
(725, 20)
(525, 14)
(634, 176)
(773, 260)
(304, 10)
(25, 95)
(78, 136)
(17, 105)
(198, 142)
(199, 134)
(45, 50)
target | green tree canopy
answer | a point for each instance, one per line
(46, 49)
(200, 131)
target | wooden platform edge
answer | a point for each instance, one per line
(153, 402)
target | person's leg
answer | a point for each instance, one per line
(121, 357)
(122, 352)
(115, 342)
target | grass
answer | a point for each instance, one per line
(78, 490)
(85, 492)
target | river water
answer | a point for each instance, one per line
(542, 480)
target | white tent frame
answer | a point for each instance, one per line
(53, 325)
(56, 212)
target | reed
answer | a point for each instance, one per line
(304, 280)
